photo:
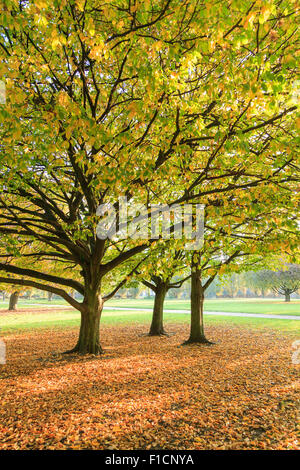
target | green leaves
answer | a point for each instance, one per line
(161, 103)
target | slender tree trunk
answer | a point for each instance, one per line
(157, 327)
(50, 296)
(197, 300)
(89, 334)
(13, 300)
(287, 296)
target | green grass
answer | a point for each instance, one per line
(33, 302)
(269, 306)
(221, 305)
(12, 323)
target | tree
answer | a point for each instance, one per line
(108, 101)
(285, 281)
(230, 284)
(13, 300)
(249, 239)
(14, 293)
(163, 270)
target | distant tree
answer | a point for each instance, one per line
(285, 281)
(229, 285)
(13, 300)
(247, 240)
(14, 293)
(164, 269)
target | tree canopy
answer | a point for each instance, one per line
(106, 99)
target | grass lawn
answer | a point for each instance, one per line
(11, 322)
(269, 306)
(222, 305)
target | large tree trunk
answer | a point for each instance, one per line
(157, 327)
(89, 334)
(197, 300)
(13, 300)
(287, 296)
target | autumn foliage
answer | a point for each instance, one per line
(147, 393)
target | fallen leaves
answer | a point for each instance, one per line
(148, 393)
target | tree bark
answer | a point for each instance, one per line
(89, 334)
(287, 296)
(157, 327)
(197, 300)
(13, 300)
(50, 296)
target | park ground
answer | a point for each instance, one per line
(146, 392)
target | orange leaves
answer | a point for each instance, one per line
(133, 110)
(98, 51)
(148, 393)
(249, 19)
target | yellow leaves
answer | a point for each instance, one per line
(80, 4)
(91, 27)
(17, 133)
(59, 162)
(265, 14)
(57, 40)
(55, 43)
(40, 20)
(134, 7)
(98, 51)
(105, 11)
(157, 46)
(69, 131)
(41, 4)
(211, 45)
(222, 269)
(249, 19)
(63, 99)
(132, 110)
(210, 272)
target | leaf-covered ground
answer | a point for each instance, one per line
(148, 393)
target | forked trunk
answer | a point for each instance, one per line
(89, 334)
(287, 297)
(157, 327)
(13, 300)
(197, 300)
